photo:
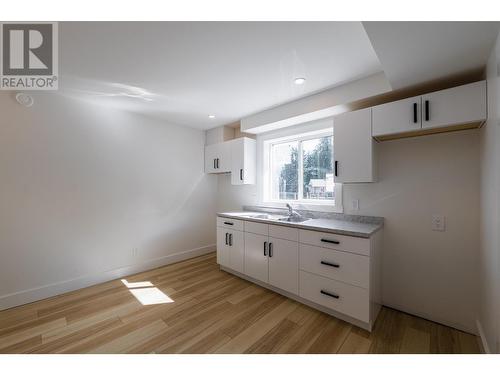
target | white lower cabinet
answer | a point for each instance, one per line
(256, 260)
(230, 249)
(236, 251)
(337, 265)
(337, 274)
(344, 298)
(222, 247)
(272, 260)
(284, 264)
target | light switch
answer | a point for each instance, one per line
(438, 223)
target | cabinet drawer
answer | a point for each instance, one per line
(338, 265)
(344, 298)
(285, 233)
(224, 222)
(257, 228)
(335, 241)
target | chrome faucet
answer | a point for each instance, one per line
(292, 213)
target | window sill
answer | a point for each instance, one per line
(322, 207)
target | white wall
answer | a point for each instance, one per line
(81, 186)
(431, 274)
(489, 317)
(427, 273)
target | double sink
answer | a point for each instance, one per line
(290, 219)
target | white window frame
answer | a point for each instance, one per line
(300, 133)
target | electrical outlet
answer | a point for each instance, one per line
(438, 223)
(355, 204)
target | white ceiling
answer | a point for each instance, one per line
(416, 52)
(183, 71)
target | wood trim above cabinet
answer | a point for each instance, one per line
(420, 132)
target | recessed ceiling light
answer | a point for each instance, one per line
(299, 81)
(211, 116)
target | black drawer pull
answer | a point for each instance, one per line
(427, 114)
(227, 243)
(265, 249)
(270, 249)
(330, 241)
(230, 239)
(330, 264)
(415, 119)
(228, 223)
(329, 294)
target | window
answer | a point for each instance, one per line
(299, 169)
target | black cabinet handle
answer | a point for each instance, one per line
(415, 118)
(265, 249)
(336, 168)
(226, 239)
(217, 163)
(228, 223)
(215, 166)
(329, 294)
(230, 239)
(427, 114)
(330, 264)
(241, 174)
(330, 241)
(270, 249)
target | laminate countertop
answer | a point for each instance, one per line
(336, 226)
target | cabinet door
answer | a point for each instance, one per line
(284, 264)
(224, 157)
(218, 158)
(458, 105)
(353, 147)
(243, 161)
(210, 158)
(223, 247)
(236, 251)
(256, 260)
(397, 117)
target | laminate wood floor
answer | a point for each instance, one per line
(200, 309)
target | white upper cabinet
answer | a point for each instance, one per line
(397, 117)
(458, 105)
(237, 156)
(218, 158)
(243, 161)
(446, 108)
(353, 147)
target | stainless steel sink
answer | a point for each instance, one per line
(265, 216)
(292, 219)
(289, 219)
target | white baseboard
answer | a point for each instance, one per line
(50, 290)
(484, 342)
(469, 329)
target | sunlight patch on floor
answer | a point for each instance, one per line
(138, 284)
(146, 293)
